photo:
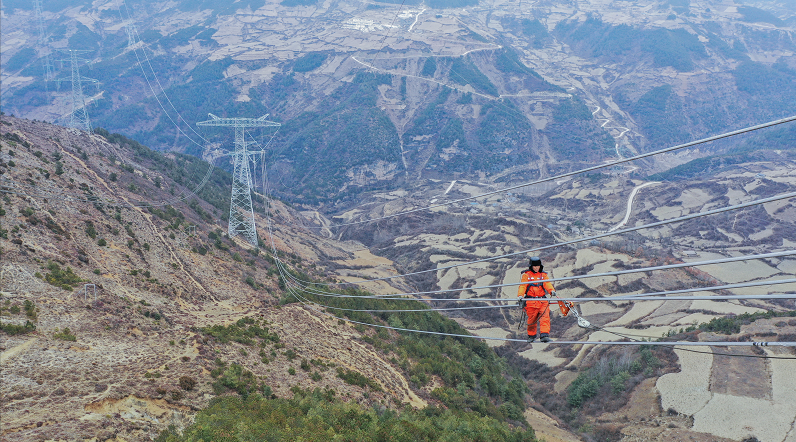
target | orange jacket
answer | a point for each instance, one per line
(534, 289)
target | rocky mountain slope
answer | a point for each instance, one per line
(140, 355)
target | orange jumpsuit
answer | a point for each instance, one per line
(537, 311)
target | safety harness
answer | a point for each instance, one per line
(528, 287)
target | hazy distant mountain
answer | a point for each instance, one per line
(374, 95)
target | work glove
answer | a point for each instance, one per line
(553, 294)
(521, 302)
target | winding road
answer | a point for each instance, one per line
(623, 129)
(630, 204)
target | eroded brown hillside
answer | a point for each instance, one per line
(136, 360)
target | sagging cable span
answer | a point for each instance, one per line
(587, 238)
(404, 296)
(287, 278)
(614, 273)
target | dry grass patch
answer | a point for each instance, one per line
(742, 417)
(492, 332)
(687, 391)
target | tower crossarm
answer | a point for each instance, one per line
(83, 79)
(238, 122)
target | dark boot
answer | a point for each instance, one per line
(544, 337)
(531, 338)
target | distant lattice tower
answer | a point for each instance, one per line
(79, 118)
(241, 211)
(131, 31)
(183, 235)
(43, 43)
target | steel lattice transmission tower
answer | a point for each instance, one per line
(79, 117)
(131, 31)
(241, 211)
(43, 43)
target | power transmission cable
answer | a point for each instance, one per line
(610, 274)
(287, 274)
(646, 297)
(307, 302)
(283, 272)
(289, 287)
(309, 305)
(626, 298)
(628, 336)
(656, 296)
(155, 94)
(562, 342)
(587, 238)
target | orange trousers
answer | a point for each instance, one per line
(538, 315)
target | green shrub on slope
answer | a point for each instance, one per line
(319, 415)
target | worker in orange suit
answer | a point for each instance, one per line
(532, 296)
